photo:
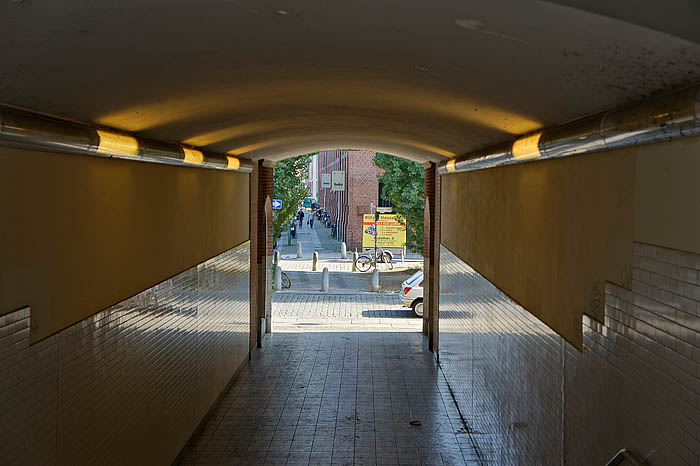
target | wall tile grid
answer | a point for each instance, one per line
(130, 384)
(530, 398)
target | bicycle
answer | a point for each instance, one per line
(365, 261)
(286, 282)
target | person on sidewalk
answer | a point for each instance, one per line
(311, 221)
(301, 218)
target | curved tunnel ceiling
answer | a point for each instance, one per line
(261, 79)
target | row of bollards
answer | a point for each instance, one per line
(325, 276)
(325, 279)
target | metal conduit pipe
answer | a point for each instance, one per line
(22, 129)
(659, 118)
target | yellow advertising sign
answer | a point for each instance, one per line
(392, 233)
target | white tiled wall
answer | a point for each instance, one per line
(130, 384)
(531, 398)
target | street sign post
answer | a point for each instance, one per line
(276, 204)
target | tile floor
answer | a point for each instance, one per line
(343, 398)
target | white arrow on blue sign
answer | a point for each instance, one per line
(276, 204)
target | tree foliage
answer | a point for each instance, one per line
(404, 186)
(289, 187)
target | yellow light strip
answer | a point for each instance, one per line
(117, 144)
(193, 156)
(450, 166)
(527, 147)
(233, 163)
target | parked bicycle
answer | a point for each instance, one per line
(286, 282)
(366, 261)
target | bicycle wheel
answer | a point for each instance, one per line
(286, 282)
(385, 258)
(363, 263)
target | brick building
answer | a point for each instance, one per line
(361, 190)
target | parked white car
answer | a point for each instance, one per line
(412, 293)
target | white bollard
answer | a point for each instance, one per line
(314, 263)
(375, 280)
(278, 278)
(276, 257)
(325, 280)
(298, 250)
(354, 261)
(343, 251)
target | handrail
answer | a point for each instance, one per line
(658, 118)
(23, 129)
(623, 455)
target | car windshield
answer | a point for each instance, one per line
(414, 278)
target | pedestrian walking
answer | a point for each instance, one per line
(301, 218)
(311, 222)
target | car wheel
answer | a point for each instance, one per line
(417, 307)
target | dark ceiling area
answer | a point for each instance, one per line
(264, 79)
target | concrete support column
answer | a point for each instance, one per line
(431, 253)
(261, 247)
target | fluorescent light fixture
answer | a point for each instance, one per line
(527, 147)
(117, 144)
(233, 163)
(193, 156)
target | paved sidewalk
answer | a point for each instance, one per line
(309, 243)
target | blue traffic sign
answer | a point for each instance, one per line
(276, 204)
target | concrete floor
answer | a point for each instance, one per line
(345, 398)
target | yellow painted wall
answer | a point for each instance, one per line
(550, 233)
(79, 234)
(668, 195)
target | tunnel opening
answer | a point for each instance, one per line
(343, 229)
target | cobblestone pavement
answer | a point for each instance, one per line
(316, 312)
(336, 399)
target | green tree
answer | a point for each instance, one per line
(289, 187)
(404, 185)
